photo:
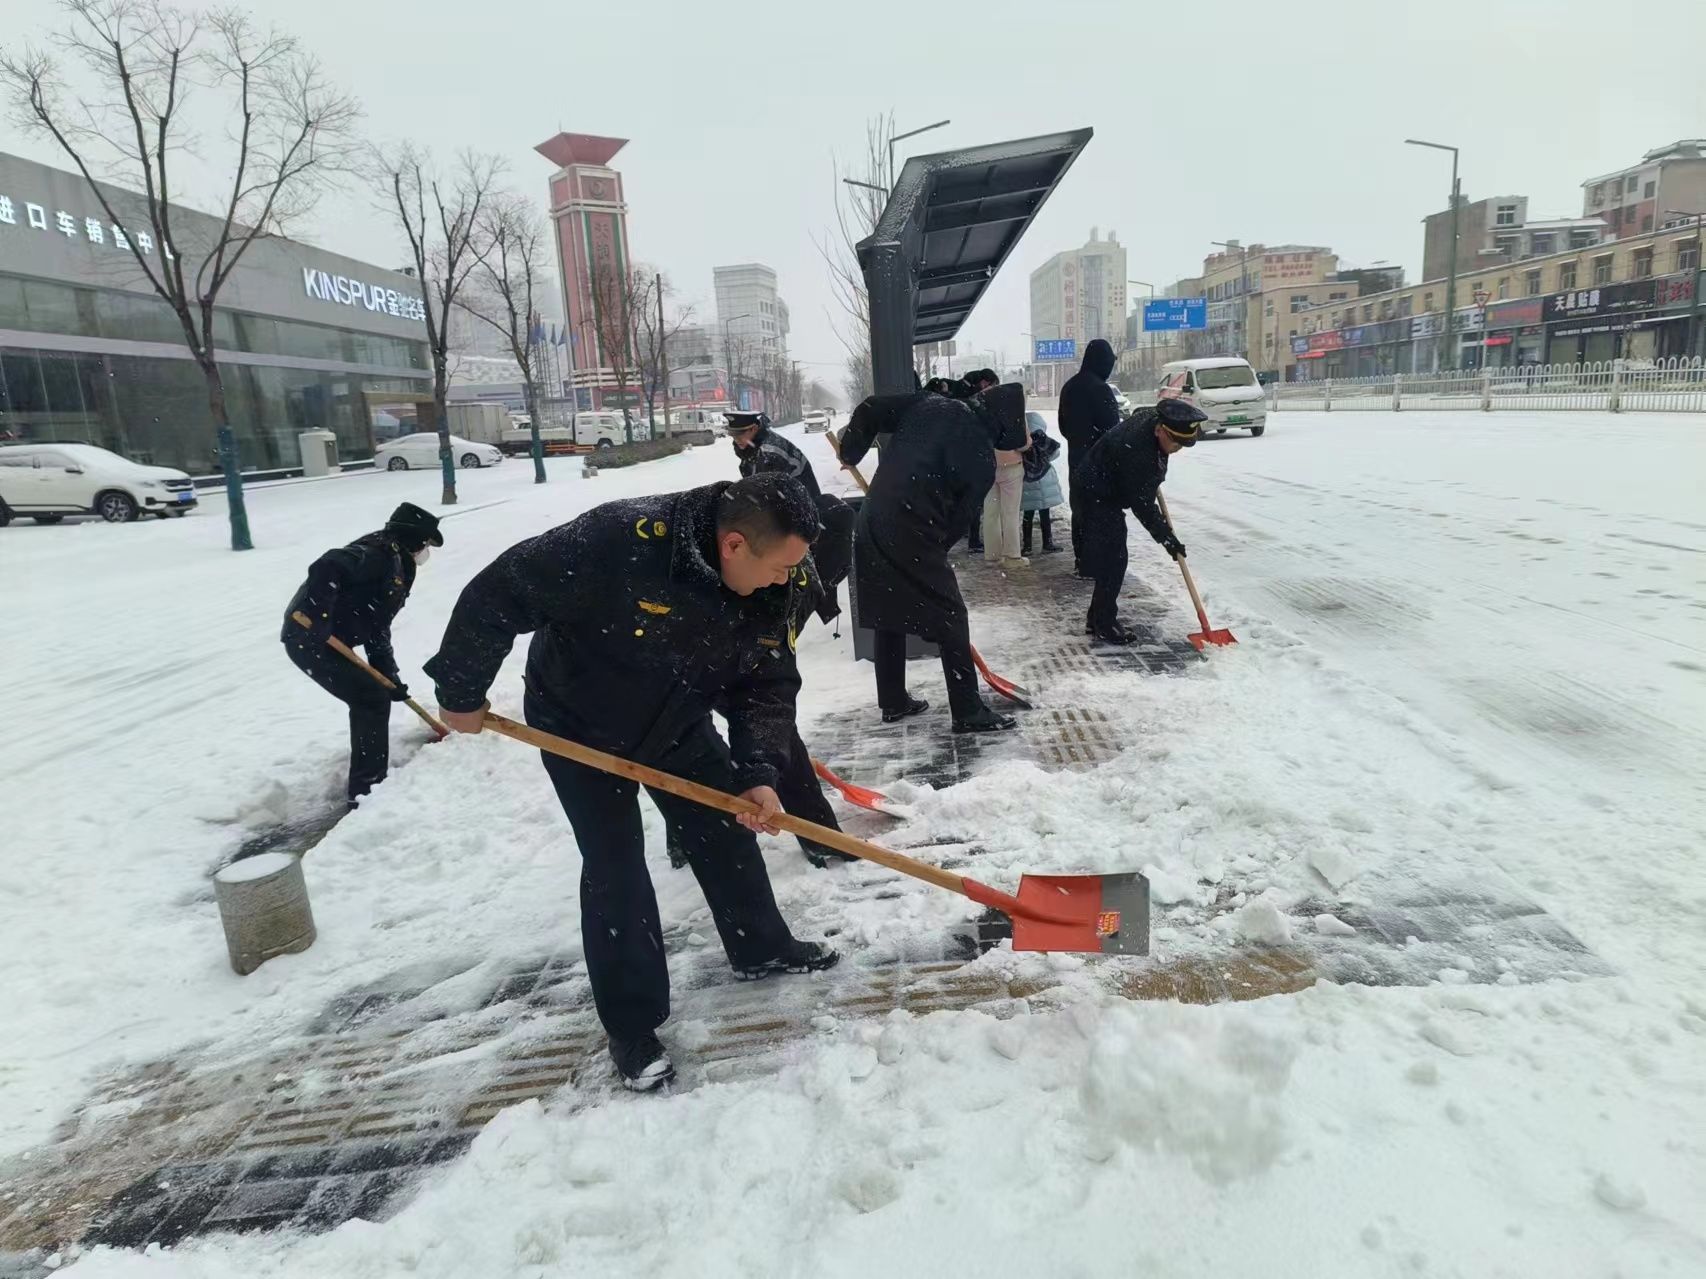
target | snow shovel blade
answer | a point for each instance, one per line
(1000, 685)
(1199, 638)
(860, 796)
(1111, 914)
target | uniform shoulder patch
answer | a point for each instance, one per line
(646, 528)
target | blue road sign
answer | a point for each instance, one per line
(1162, 315)
(1056, 350)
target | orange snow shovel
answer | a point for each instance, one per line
(1207, 635)
(1100, 914)
(859, 796)
(332, 641)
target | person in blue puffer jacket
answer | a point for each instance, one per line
(1042, 490)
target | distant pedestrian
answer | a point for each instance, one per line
(1042, 487)
(1001, 540)
(353, 593)
(1088, 411)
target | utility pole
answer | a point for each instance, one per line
(1151, 363)
(662, 361)
(1450, 360)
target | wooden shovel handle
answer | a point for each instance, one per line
(332, 641)
(838, 840)
(834, 439)
(1190, 585)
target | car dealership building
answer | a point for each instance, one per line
(306, 339)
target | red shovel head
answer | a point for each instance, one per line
(1098, 914)
(1199, 638)
(1111, 914)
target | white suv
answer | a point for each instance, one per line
(47, 482)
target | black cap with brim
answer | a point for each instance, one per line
(738, 421)
(1179, 419)
(410, 523)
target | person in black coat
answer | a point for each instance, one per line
(935, 471)
(760, 451)
(1125, 471)
(645, 614)
(818, 577)
(353, 593)
(1088, 411)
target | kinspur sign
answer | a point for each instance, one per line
(326, 287)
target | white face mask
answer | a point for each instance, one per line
(422, 555)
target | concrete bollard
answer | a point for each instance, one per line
(263, 905)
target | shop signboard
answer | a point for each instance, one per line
(1659, 293)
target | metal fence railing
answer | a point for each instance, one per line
(1620, 386)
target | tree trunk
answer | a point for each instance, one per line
(441, 409)
(531, 390)
(228, 461)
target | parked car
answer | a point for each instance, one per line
(47, 482)
(420, 451)
(1223, 386)
(1122, 400)
(816, 420)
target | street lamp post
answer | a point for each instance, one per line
(1451, 270)
(1243, 288)
(1050, 324)
(910, 133)
(1146, 284)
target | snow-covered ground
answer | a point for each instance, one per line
(1471, 648)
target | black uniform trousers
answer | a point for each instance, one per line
(621, 934)
(1075, 505)
(801, 794)
(369, 711)
(1105, 556)
(957, 669)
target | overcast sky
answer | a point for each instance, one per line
(1257, 121)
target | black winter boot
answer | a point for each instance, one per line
(985, 721)
(822, 855)
(796, 957)
(1115, 632)
(642, 1062)
(914, 706)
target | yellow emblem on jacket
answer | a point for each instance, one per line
(657, 609)
(657, 528)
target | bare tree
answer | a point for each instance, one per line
(287, 138)
(613, 305)
(510, 276)
(442, 218)
(861, 191)
(653, 332)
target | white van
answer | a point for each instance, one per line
(593, 428)
(1222, 386)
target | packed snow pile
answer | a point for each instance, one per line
(1460, 736)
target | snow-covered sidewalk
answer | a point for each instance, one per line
(1379, 738)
